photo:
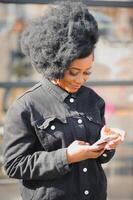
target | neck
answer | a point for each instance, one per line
(55, 82)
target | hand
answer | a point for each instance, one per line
(116, 141)
(80, 150)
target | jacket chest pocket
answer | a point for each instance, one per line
(93, 125)
(50, 132)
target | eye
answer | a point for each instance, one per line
(87, 73)
(73, 73)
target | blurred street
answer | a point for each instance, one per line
(9, 190)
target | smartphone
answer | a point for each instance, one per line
(104, 140)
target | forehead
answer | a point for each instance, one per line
(82, 63)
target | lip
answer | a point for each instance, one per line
(76, 86)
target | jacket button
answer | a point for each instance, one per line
(85, 169)
(86, 192)
(71, 100)
(90, 118)
(79, 121)
(105, 155)
(52, 127)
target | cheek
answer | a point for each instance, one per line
(68, 82)
(69, 79)
(72, 80)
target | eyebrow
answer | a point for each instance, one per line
(79, 69)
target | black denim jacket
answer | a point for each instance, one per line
(39, 127)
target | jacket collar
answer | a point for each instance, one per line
(55, 90)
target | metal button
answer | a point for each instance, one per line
(90, 118)
(71, 100)
(52, 127)
(86, 192)
(85, 169)
(79, 121)
(105, 155)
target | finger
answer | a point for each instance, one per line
(91, 148)
(97, 153)
(81, 142)
(102, 144)
(96, 147)
(112, 145)
(118, 140)
(121, 132)
(123, 135)
(106, 129)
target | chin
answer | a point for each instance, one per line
(73, 90)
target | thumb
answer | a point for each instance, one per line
(105, 130)
(82, 142)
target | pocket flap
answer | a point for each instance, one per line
(44, 122)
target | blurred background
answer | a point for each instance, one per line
(112, 78)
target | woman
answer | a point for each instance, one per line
(51, 128)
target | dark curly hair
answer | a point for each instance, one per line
(67, 32)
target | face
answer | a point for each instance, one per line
(77, 74)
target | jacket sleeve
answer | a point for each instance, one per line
(108, 154)
(21, 160)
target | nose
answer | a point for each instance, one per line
(80, 79)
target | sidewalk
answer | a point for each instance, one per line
(9, 190)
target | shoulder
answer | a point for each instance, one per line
(89, 92)
(22, 101)
(33, 90)
(91, 97)
(29, 95)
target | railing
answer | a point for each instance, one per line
(26, 84)
(120, 4)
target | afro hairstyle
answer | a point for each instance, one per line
(66, 32)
